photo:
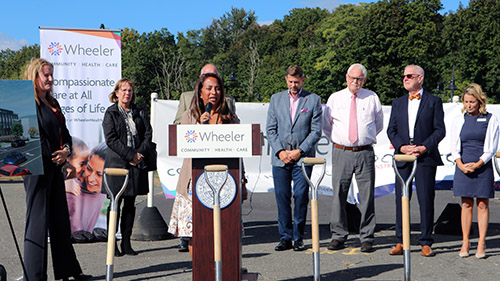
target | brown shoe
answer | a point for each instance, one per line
(398, 250)
(427, 251)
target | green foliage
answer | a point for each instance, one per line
(385, 36)
(13, 63)
(17, 129)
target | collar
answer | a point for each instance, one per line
(296, 96)
(421, 93)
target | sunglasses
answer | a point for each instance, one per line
(409, 76)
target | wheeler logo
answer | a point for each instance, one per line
(191, 136)
(55, 48)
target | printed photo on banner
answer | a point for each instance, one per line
(20, 152)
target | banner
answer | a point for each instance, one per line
(258, 169)
(87, 65)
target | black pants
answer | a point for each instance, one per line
(425, 181)
(127, 215)
(47, 214)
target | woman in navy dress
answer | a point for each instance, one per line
(474, 141)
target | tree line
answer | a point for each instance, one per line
(384, 36)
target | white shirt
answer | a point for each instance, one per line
(490, 140)
(369, 114)
(413, 106)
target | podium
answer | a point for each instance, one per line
(224, 144)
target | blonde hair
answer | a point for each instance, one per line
(113, 98)
(31, 73)
(476, 91)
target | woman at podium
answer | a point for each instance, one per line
(206, 108)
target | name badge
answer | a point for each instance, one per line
(481, 119)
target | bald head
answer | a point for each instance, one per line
(209, 68)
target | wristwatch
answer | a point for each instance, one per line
(302, 153)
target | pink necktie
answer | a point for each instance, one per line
(353, 121)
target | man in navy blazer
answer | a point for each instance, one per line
(416, 127)
(293, 129)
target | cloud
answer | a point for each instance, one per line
(262, 23)
(328, 4)
(8, 42)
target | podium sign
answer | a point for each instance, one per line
(202, 141)
(216, 144)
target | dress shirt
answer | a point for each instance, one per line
(490, 140)
(413, 106)
(294, 103)
(369, 113)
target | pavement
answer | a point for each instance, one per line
(161, 261)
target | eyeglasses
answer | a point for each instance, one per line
(356, 78)
(409, 76)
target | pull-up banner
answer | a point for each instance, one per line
(87, 65)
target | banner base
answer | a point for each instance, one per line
(150, 226)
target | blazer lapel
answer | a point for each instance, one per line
(302, 102)
(423, 101)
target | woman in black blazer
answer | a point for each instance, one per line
(46, 206)
(128, 136)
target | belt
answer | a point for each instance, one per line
(353, 149)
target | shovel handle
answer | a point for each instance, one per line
(116, 172)
(498, 155)
(314, 160)
(111, 238)
(216, 168)
(405, 157)
(405, 205)
(314, 225)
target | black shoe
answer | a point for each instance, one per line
(366, 247)
(335, 245)
(298, 245)
(283, 245)
(183, 246)
(127, 247)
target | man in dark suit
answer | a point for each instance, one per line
(293, 129)
(416, 127)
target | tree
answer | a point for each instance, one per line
(13, 63)
(472, 40)
(17, 129)
(32, 131)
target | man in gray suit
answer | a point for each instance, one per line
(186, 97)
(293, 129)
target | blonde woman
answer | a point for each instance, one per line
(474, 140)
(46, 205)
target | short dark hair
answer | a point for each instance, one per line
(295, 71)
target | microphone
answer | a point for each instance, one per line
(208, 108)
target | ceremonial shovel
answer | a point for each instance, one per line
(314, 211)
(217, 218)
(113, 217)
(405, 206)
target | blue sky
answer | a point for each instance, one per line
(19, 21)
